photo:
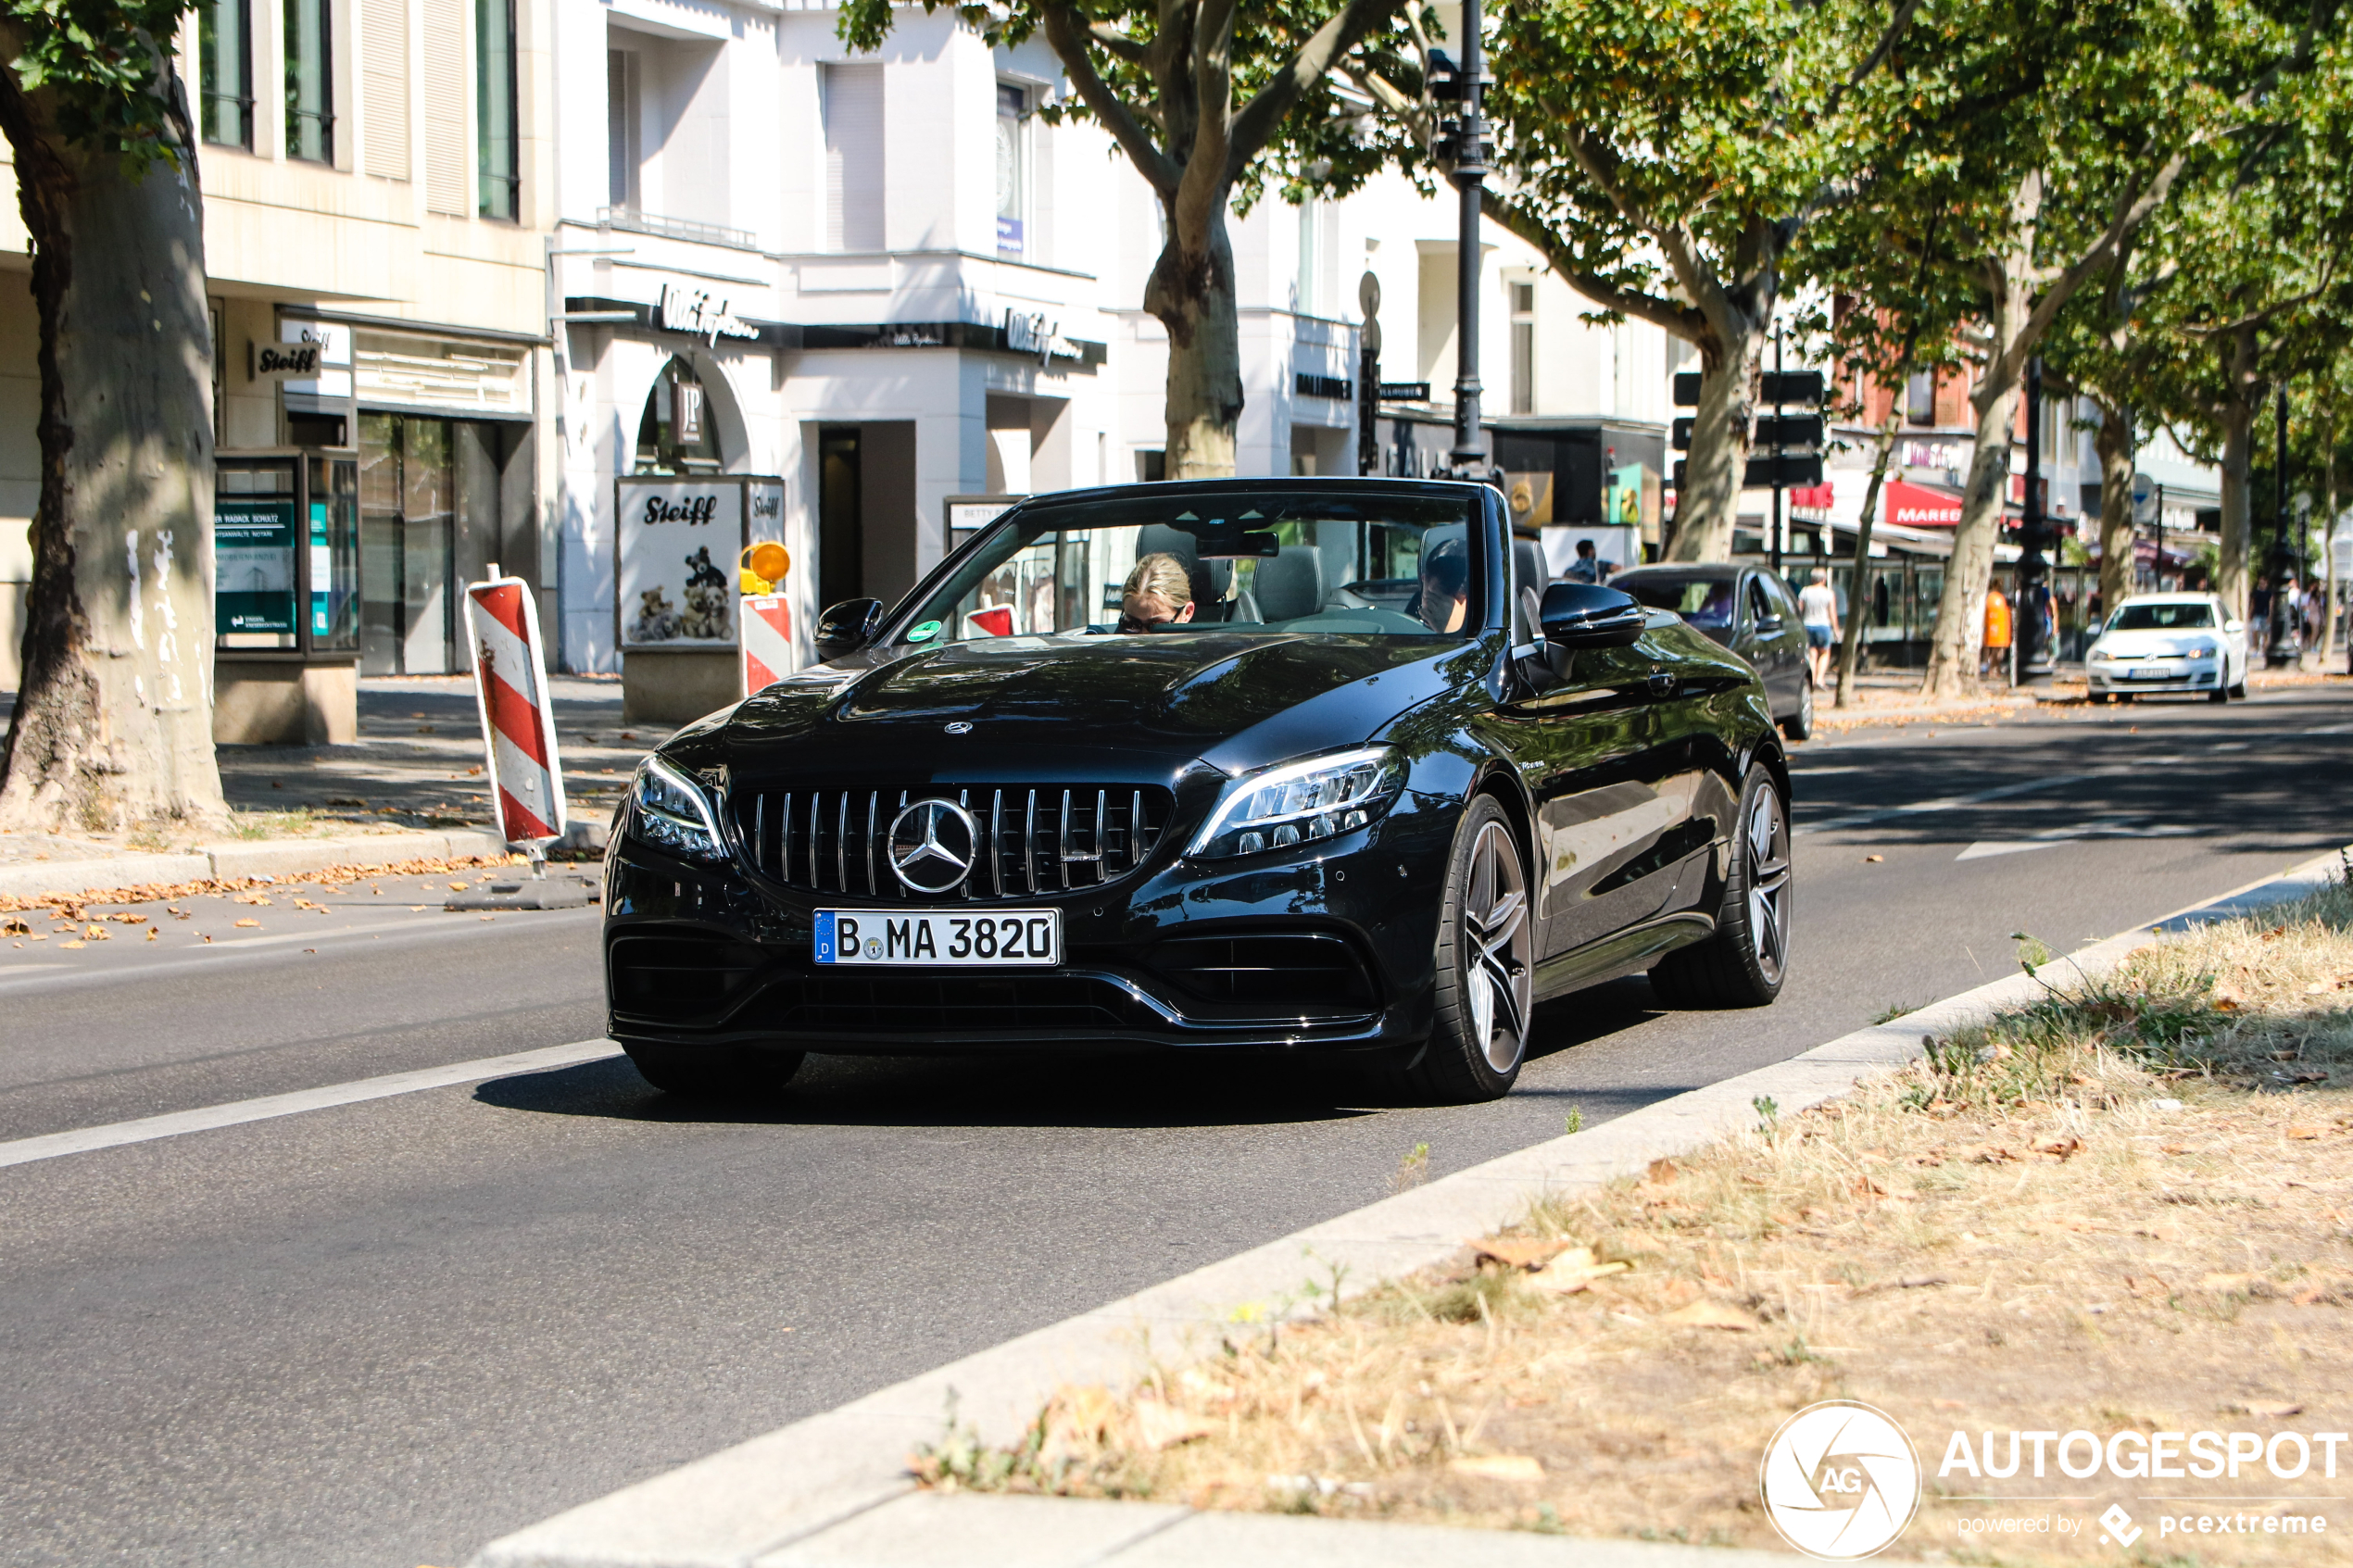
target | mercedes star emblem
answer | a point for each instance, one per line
(932, 843)
(961, 727)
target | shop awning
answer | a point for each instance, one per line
(1918, 506)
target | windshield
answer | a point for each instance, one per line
(1167, 561)
(2161, 618)
(1703, 601)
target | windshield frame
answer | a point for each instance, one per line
(1480, 515)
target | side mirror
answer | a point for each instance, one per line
(1586, 615)
(2234, 626)
(1770, 625)
(846, 627)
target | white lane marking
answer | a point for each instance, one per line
(1945, 803)
(2328, 730)
(114, 1135)
(217, 954)
(1985, 848)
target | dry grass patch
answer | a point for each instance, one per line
(2123, 1207)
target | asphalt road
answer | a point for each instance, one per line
(383, 1333)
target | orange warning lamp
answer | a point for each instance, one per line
(762, 565)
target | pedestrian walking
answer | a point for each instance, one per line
(1588, 567)
(1817, 606)
(1996, 654)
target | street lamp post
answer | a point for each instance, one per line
(1470, 177)
(2033, 589)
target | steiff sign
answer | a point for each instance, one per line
(285, 361)
(678, 542)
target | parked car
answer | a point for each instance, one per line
(1305, 813)
(1749, 611)
(2169, 642)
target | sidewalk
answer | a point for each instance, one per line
(412, 788)
(834, 1489)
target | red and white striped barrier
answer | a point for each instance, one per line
(518, 722)
(768, 651)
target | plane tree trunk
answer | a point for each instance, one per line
(113, 722)
(1191, 294)
(2114, 443)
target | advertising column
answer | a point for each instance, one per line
(679, 541)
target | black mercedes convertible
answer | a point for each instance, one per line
(1304, 766)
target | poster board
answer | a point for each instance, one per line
(253, 570)
(678, 539)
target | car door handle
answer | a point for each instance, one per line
(1661, 683)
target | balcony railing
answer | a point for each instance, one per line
(633, 222)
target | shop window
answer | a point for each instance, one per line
(497, 137)
(675, 434)
(311, 93)
(1523, 300)
(1013, 170)
(224, 45)
(432, 511)
(841, 571)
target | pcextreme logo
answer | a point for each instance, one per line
(1839, 1480)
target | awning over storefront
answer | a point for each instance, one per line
(1920, 506)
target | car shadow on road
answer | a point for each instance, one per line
(1174, 1089)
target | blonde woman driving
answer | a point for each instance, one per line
(1158, 593)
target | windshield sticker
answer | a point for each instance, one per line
(924, 632)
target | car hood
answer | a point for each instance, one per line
(1121, 703)
(2144, 645)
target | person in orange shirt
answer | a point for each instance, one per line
(1996, 653)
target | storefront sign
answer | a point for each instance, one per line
(1033, 333)
(285, 361)
(678, 542)
(694, 311)
(253, 566)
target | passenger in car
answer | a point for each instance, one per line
(1159, 592)
(1445, 586)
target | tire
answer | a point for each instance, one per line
(2219, 694)
(2238, 693)
(1800, 724)
(2100, 699)
(1485, 968)
(716, 1075)
(1744, 964)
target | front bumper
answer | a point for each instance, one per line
(2169, 676)
(1328, 951)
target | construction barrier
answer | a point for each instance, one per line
(767, 633)
(518, 720)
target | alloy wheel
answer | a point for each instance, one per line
(1765, 840)
(1497, 946)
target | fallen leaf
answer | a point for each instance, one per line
(2059, 1149)
(13, 927)
(1499, 1467)
(1873, 859)
(248, 922)
(251, 898)
(2303, 1133)
(1864, 1186)
(73, 944)
(1985, 1154)
(2228, 1282)
(1664, 1171)
(1710, 1314)
(126, 917)
(1573, 1271)
(458, 887)
(1160, 1427)
(2274, 1410)
(1519, 1252)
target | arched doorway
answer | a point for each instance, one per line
(689, 423)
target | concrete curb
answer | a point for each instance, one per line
(833, 1488)
(284, 857)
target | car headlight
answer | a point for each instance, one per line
(1297, 802)
(2203, 650)
(672, 813)
(2101, 656)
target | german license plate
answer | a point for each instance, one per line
(939, 937)
(2161, 673)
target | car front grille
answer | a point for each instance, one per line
(1033, 840)
(943, 1005)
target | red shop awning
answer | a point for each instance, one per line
(1917, 506)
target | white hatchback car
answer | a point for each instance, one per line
(2169, 642)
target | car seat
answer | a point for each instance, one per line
(1290, 585)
